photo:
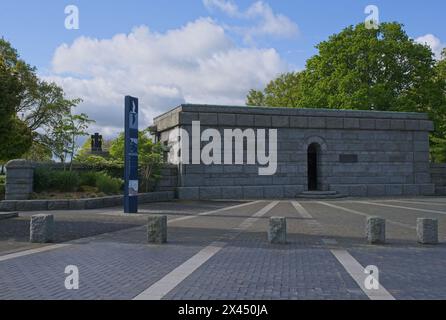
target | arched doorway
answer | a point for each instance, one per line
(313, 154)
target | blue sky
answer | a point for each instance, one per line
(256, 39)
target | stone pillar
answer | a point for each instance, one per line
(19, 180)
(376, 230)
(277, 230)
(157, 229)
(427, 231)
(41, 229)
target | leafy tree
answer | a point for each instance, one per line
(15, 137)
(370, 69)
(281, 92)
(85, 150)
(38, 152)
(61, 136)
(38, 102)
(150, 157)
(438, 138)
(366, 69)
(39, 105)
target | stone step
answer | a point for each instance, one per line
(320, 195)
(440, 191)
(8, 215)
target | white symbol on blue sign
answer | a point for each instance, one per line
(133, 147)
(133, 118)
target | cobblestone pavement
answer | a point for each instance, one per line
(115, 262)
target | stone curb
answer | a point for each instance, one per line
(80, 204)
(8, 215)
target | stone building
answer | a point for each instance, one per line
(355, 153)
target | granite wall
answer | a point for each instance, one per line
(361, 153)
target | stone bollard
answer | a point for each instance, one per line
(427, 231)
(376, 230)
(41, 229)
(277, 230)
(157, 229)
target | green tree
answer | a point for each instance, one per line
(85, 150)
(38, 152)
(37, 103)
(370, 69)
(15, 137)
(364, 69)
(281, 92)
(438, 138)
(150, 157)
(61, 136)
(367, 69)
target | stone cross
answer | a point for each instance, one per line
(96, 142)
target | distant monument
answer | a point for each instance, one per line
(96, 146)
(96, 143)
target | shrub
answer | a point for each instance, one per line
(43, 179)
(88, 178)
(2, 191)
(107, 184)
(2, 179)
(96, 163)
(66, 181)
(46, 179)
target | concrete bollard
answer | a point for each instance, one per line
(376, 230)
(427, 231)
(41, 229)
(157, 229)
(277, 230)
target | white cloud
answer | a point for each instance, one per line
(432, 41)
(197, 63)
(267, 23)
(227, 7)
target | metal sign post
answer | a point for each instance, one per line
(131, 155)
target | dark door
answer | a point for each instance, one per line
(312, 167)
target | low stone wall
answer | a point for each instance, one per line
(19, 180)
(438, 174)
(20, 177)
(81, 204)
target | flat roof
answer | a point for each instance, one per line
(316, 112)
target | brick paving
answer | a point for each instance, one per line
(115, 262)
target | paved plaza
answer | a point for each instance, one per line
(220, 250)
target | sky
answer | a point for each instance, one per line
(195, 51)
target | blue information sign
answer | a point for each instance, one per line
(131, 155)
